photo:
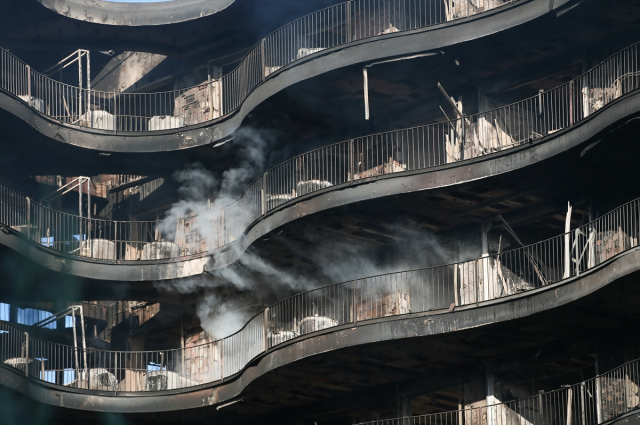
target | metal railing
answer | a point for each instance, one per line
(590, 402)
(389, 295)
(141, 112)
(121, 179)
(345, 163)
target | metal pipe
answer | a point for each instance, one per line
(75, 340)
(366, 92)
(84, 342)
(26, 354)
(567, 243)
(89, 197)
(29, 101)
(229, 403)
(79, 83)
(80, 197)
(451, 101)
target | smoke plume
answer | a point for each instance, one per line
(204, 196)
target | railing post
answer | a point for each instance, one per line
(88, 55)
(80, 84)
(541, 128)
(28, 233)
(222, 360)
(115, 370)
(26, 354)
(582, 411)
(350, 160)
(456, 293)
(115, 113)
(349, 29)
(263, 60)
(29, 86)
(477, 283)
(540, 101)
(220, 95)
(571, 103)
(599, 399)
(263, 193)
(75, 340)
(463, 136)
(569, 406)
(353, 301)
(265, 346)
(211, 107)
(84, 345)
(540, 407)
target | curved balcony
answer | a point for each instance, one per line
(137, 14)
(395, 306)
(329, 39)
(435, 155)
(598, 400)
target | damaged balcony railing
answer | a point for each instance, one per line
(590, 402)
(345, 163)
(122, 179)
(141, 112)
(438, 288)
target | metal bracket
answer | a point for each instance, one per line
(60, 398)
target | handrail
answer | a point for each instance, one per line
(333, 26)
(344, 163)
(341, 164)
(590, 402)
(439, 288)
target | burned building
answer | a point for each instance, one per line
(321, 212)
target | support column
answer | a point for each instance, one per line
(485, 261)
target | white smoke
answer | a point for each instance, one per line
(204, 196)
(210, 201)
(220, 317)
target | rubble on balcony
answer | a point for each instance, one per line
(165, 122)
(100, 120)
(160, 251)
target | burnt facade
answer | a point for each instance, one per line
(386, 212)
